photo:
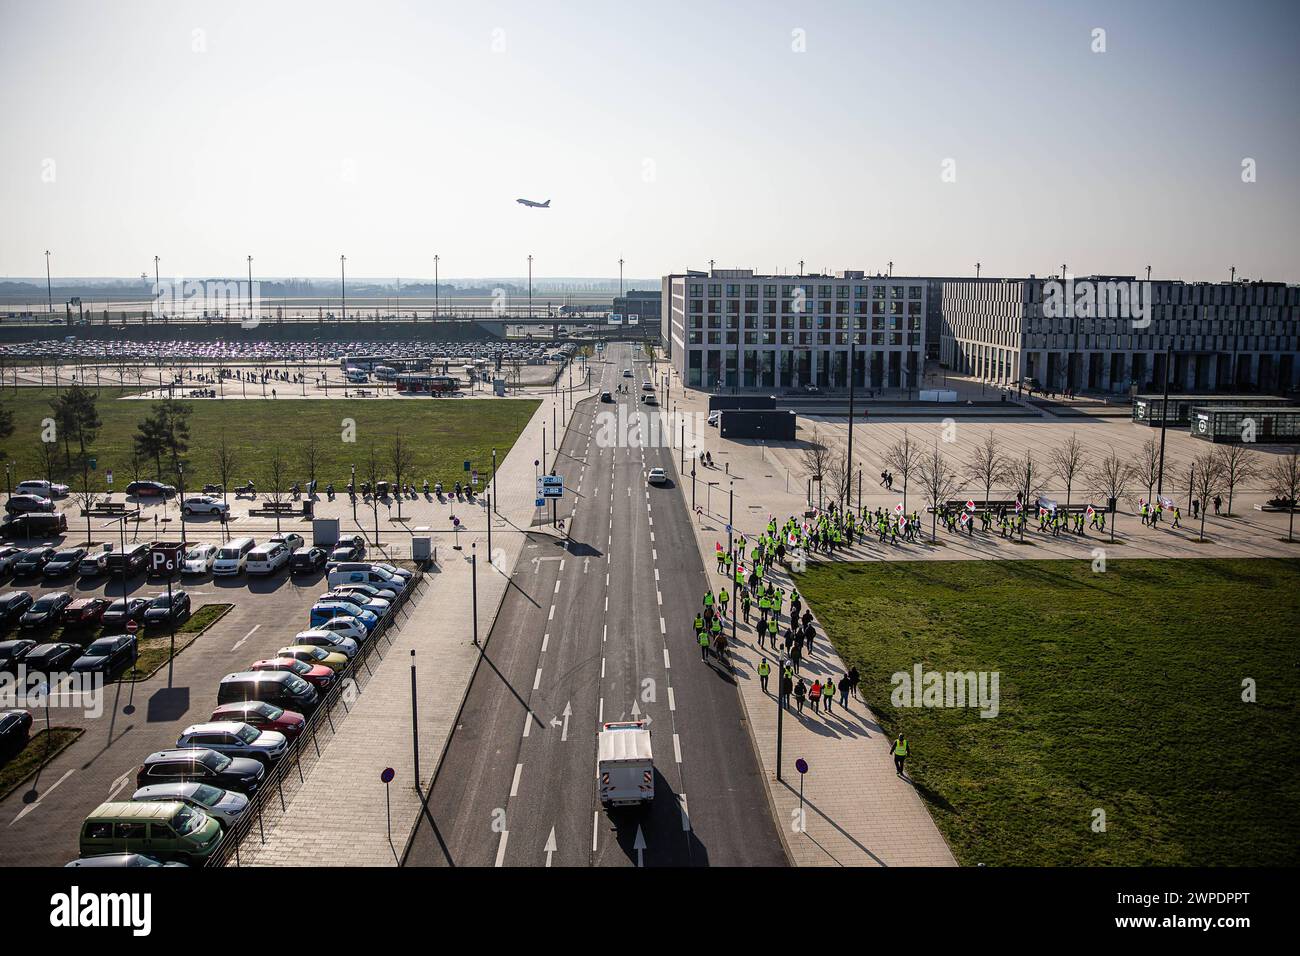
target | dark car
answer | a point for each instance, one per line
(243, 774)
(32, 525)
(84, 612)
(15, 725)
(107, 655)
(12, 654)
(46, 610)
(304, 562)
(263, 716)
(121, 611)
(25, 504)
(606, 397)
(67, 561)
(150, 489)
(33, 561)
(347, 552)
(13, 605)
(48, 658)
(164, 609)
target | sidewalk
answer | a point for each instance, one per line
(338, 816)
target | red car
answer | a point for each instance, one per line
(84, 611)
(318, 675)
(263, 716)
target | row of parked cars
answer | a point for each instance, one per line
(188, 796)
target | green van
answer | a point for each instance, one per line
(161, 830)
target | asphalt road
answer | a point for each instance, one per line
(597, 627)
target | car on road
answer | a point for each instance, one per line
(46, 610)
(33, 561)
(167, 830)
(627, 373)
(323, 611)
(606, 397)
(294, 542)
(199, 559)
(305, 562)
(714, 418)
(318, 675)
(15, 728)
(224, 806)
(25, 504)
(647, 386)
(12, 653)
(13, 605)
(625, 764)
(168, 608)
(657, 476)
(123, 610)
(67, 561)
(48, 658)
(84, 611)
(267, 559)
(204, 505)
(33, 525)
(263, 716)
(341, 635)
(41, 488)
(107, 655)
(8, 555)
(235, 739)
(649, 399)
(150, 489)
(315, 655)
(201, 765)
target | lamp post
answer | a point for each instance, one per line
(180, 474)
(343, 282)
(530, 286)
(415, 722)
(49, 289)
(473, 572)
(853, 367)
(250, 288)
(156, 283)
(494, 478)
(1164, 417)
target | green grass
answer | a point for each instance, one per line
(39, 751)
(1120, 691)
(442, 434)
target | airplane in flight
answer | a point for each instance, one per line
(534, 205)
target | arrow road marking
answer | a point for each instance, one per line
(118, 784)
(550, 846)
(568, 712)
(639, 846)
(32, 806)
(243, 640)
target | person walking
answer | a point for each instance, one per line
(800, 694)
(1218, 502)
(764, 669)
(815, 695)
(845, 686)
(899, 750)
(704, 645)
(828, 694)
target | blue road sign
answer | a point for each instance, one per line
(539, 502)
(801, 765)
(387, 775)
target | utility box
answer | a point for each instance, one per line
(720, 402)
(499, 387)
(421, 549)
(325, 532)
(765, 424)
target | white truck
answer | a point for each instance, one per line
(625, 769)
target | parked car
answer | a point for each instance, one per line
(290, 540)
(41, 488)
(15, 728)
(224, 806)
(323, 611)
(84, 612)
(166, 609)
(169, 830)
(33, 525)
(311, 654)
(199, 559)
(374, 576)
(387, 592)
(204, 505)
(94, 563)
(116, 860)
(33, 561)
(12, 654)
(67, 561)
(347, 552)
(108, 655)
(267, 559)
(13, 605)
(123, 610)
(263, 716)
(233, 556)
(133, 559)
(46, 610)
(150, 489)
(48, 658)
(24, 504)
(282, 688)
(386, 571)
(714, 418)
(202, 766)
(8, 555)
(376, 605)
(235, 739)
(305, 562)
(319, 676)
(345, 637)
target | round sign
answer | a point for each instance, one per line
(801, 765)
(387, 775)
(456, 522)
(132, 627)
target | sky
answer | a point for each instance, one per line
(846, 134)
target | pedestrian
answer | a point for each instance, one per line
(899, 750)
(787, 688)
(828, 694)
(704, 646)
(845, 686)
(764, 668)
(1218, 500)
(1196, 509)
(815, 695)
(800, 694)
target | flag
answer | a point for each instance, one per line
(964, 517)
(898, 508)
(1091, 512)
(970, 506)
(1019, 506)
(902, 521)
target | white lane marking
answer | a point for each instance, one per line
(514, 785)
(561, 567)
(243, 640)
(600, 712)
(663, 629)
(677, 748)
(606, 579)
(551, 616)
(546, 639)
(32, 806)
(672, 700)
(654, 554)
(667, 663)
(656, 574)
(501, 847)
(607, 603)
(652, 537)
(686, 815)
(557, 588)
(537, 678)
(528, 722)
(602, 668)
(595, 832)
(652, 521)
(604, 633)
(659, 596)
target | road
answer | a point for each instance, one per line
(597, 627)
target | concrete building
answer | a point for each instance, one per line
(730, 328)
(1112, 333)
(645, 304)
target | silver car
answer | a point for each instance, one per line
(225, 806)
(235, 739)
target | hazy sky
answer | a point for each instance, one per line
(666, 133)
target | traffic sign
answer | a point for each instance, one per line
(387, 775)
(467, 466)
(801, 765)
(108, 476)
(132, 627)
(539, 502)
(550, 486)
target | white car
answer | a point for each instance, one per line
(41, 488)
(647, 387)
(204, 505)
(627, 373)
(267, 559)
(714, 418)
(657, 476)
(225, 805)
(290, 540)
(198, 560)
(334, 638)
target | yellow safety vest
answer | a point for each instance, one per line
(900, 747)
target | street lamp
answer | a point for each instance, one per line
(49, 292)
(343, 279)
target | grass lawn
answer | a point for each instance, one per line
(39, 749)
(1120, 691)
(442, 435)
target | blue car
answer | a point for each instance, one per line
(324, 610)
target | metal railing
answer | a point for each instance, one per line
(290, 773)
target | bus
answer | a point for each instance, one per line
(356, 376)
(421, 383)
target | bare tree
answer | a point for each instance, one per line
(1067, 463)
(816, 460)
(275, 472)
(938, 480)
(1029, 481)
(86, 496)
(902, 457)
(1240, 464)
(48, 456)
(1149, 466)
(1284, 483)
(402, 458)
(989, 465)
(1109, 478)
(311, 461)
(225, 460)
(1207, 481)
(372, 475)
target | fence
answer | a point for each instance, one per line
(289, 774)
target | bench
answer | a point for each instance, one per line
(273, 508)
(106, 509)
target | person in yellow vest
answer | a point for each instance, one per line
(764, 668)
(724, 599)
(704, 645)
(899, 750)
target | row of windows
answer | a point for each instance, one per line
(787, 291)
(697, 307)
(879, 339)
(807, 322)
